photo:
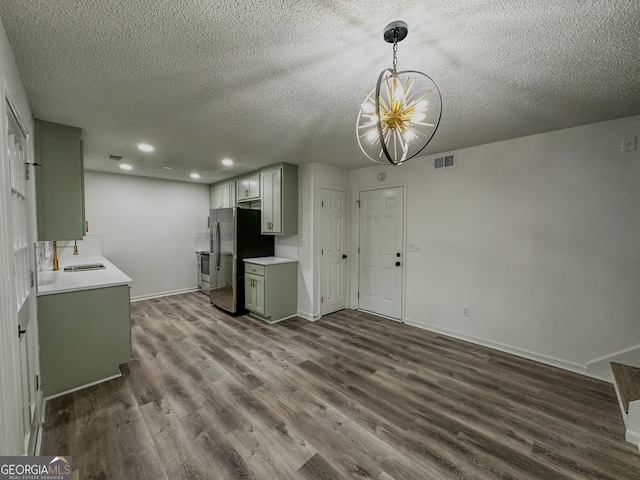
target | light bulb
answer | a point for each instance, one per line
(409, 135)
(422, 105)
(227, 162)
(145, 147)
(125, 166)
(416, 117)
(195, 176)
(371, 136)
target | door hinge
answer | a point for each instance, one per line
(32, 279)
(358, 202)
(37, 379)
(322, 203)
(358, 250)
(358, 294)
(321, 299)
(322, 251)
(26, 171)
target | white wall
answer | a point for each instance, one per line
(539, 236)
(148, 227)
(312, 178)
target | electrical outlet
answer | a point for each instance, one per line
(629, 144)
(414, 247)
(465, 311)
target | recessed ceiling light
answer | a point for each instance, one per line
(167, 168)
(145, 147)
(227, 161)
(126, 166)
(195, 175)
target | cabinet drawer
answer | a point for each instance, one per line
(255, 269)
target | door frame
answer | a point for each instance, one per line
(356, 206)
(10, 375)
(346, 240)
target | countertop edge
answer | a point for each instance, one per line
(116, 277)
(269, 260)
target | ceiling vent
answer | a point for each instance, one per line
(444, 162)
(115, 158)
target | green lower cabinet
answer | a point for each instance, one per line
(271, 291)
(84, 337)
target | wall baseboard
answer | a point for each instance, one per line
(536, 357)
(306, 316)
(138, 298)
(600, 366)
(97, 382)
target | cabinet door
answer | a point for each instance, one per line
(225, 198)
(59, 182)
(216, 197)
(272, 201)
(254, 293)
(249, 188)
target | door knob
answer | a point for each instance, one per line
(344, 256)
(397, 264)
(398, 254)
(20, 331)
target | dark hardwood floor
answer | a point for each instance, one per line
(208, 396)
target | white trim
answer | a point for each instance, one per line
(139, 298)
(306, 316)
(97, 382)
(547, 360)
(608, 357)
(39, 434)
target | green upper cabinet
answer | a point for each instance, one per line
(223, 195)
(249, 188)
(59, 182)
(279, 199)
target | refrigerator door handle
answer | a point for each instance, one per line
(218, 246)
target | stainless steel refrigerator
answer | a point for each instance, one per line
(235, 235)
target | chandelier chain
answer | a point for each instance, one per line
(395, 50)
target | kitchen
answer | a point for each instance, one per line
(483, 255)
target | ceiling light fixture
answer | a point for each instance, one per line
(126, 166)
(145, 147)
(401, 113)
(195, 176)
(227, 162)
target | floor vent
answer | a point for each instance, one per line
(444, 162)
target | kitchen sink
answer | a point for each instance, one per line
(84, 268)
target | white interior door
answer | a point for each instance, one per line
(381, 254)
(19, 326)
(333, 258)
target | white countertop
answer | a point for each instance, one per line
(50, 282)
(269, 260)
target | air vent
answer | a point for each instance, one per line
(115, 158)
(444, 162)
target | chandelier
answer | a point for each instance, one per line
(400, 115)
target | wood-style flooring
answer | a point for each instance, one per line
(208, 396)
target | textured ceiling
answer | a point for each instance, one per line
(269, 81)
